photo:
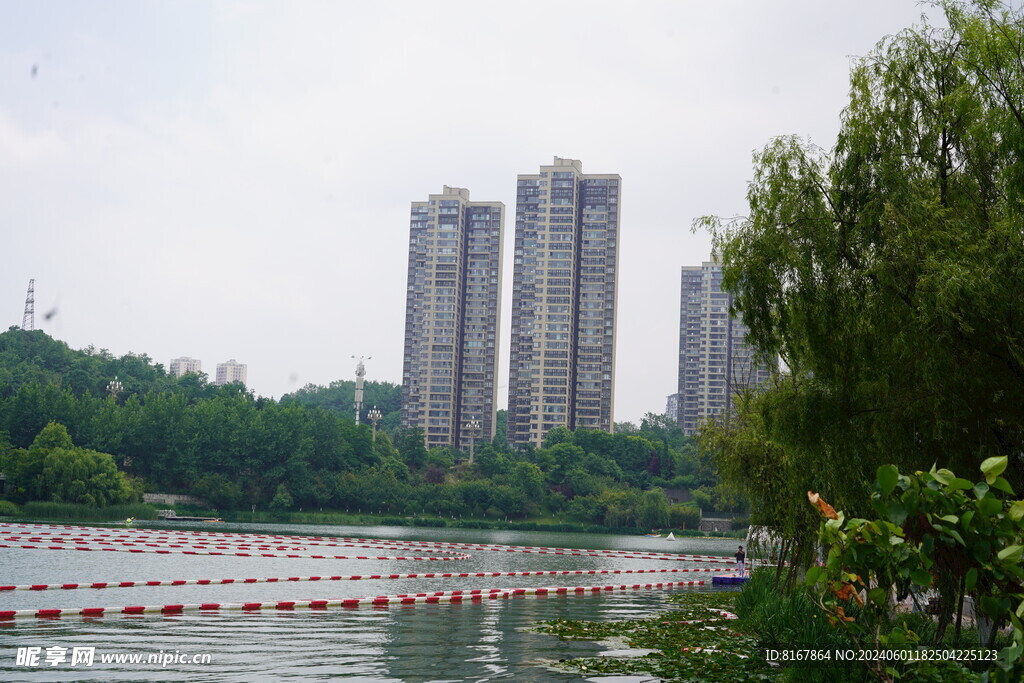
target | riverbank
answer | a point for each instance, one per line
(66, 512)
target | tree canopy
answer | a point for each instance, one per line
(235, 450)
(52, 468)
(886, 271)
(339, 397)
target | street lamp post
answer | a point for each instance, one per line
(374, 415)
(472, 428)
(114, 387)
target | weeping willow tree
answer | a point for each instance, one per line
(888, 274)
(773, 478)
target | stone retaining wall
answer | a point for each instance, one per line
(172, 499)
(715, 524)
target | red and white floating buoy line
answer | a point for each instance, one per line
(351, 577)
(194, 538)
(476, 595)
(134, 540)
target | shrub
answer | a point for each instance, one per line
(75, 511)
(685, 517)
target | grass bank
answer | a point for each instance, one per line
(779, 621)
(354, 519)
(73, 512)
(351, 519)
(68, 512)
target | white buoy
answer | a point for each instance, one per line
(670, 537)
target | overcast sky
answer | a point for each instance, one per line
(233, 179)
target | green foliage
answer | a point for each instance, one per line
(339, 398)
(585, 509)
(53, 435)
(556, 436)
(490, 461)
(87, 513)
(625, 428)
(31, 357)
(684, 516)
(8, 509)
(440, 457)
(935, 530)
(773, 478)
(779, 619)
(236, 450)
(883, 271)
(652, 510)
(784, 620)
(282, 500)
(54, 469)
(78, 475)
(529, 479)
(411, 445)
(619, 515)
(219, 491)
(383, 449)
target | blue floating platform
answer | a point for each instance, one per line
(729, 580)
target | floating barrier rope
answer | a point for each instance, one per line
(158, 551)
(477, 595)
(172, 542)
(192, 543)
(181, 536)
(352, 577)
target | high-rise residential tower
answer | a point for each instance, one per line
(715, 360)
(672, 407)
(562, 370)
(451, 318)
(231, 371)
(185, 365)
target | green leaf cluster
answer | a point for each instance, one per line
(934, 530)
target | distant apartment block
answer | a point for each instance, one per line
(715, 360)
(184, 365)
(672, 407)
(452, 318)
(562, 370)
(229, 372)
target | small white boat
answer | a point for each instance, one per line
(671, 536)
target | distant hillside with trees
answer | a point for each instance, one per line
(305, 451)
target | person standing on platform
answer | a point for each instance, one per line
(740, 556)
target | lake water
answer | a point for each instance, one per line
(482, 641)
